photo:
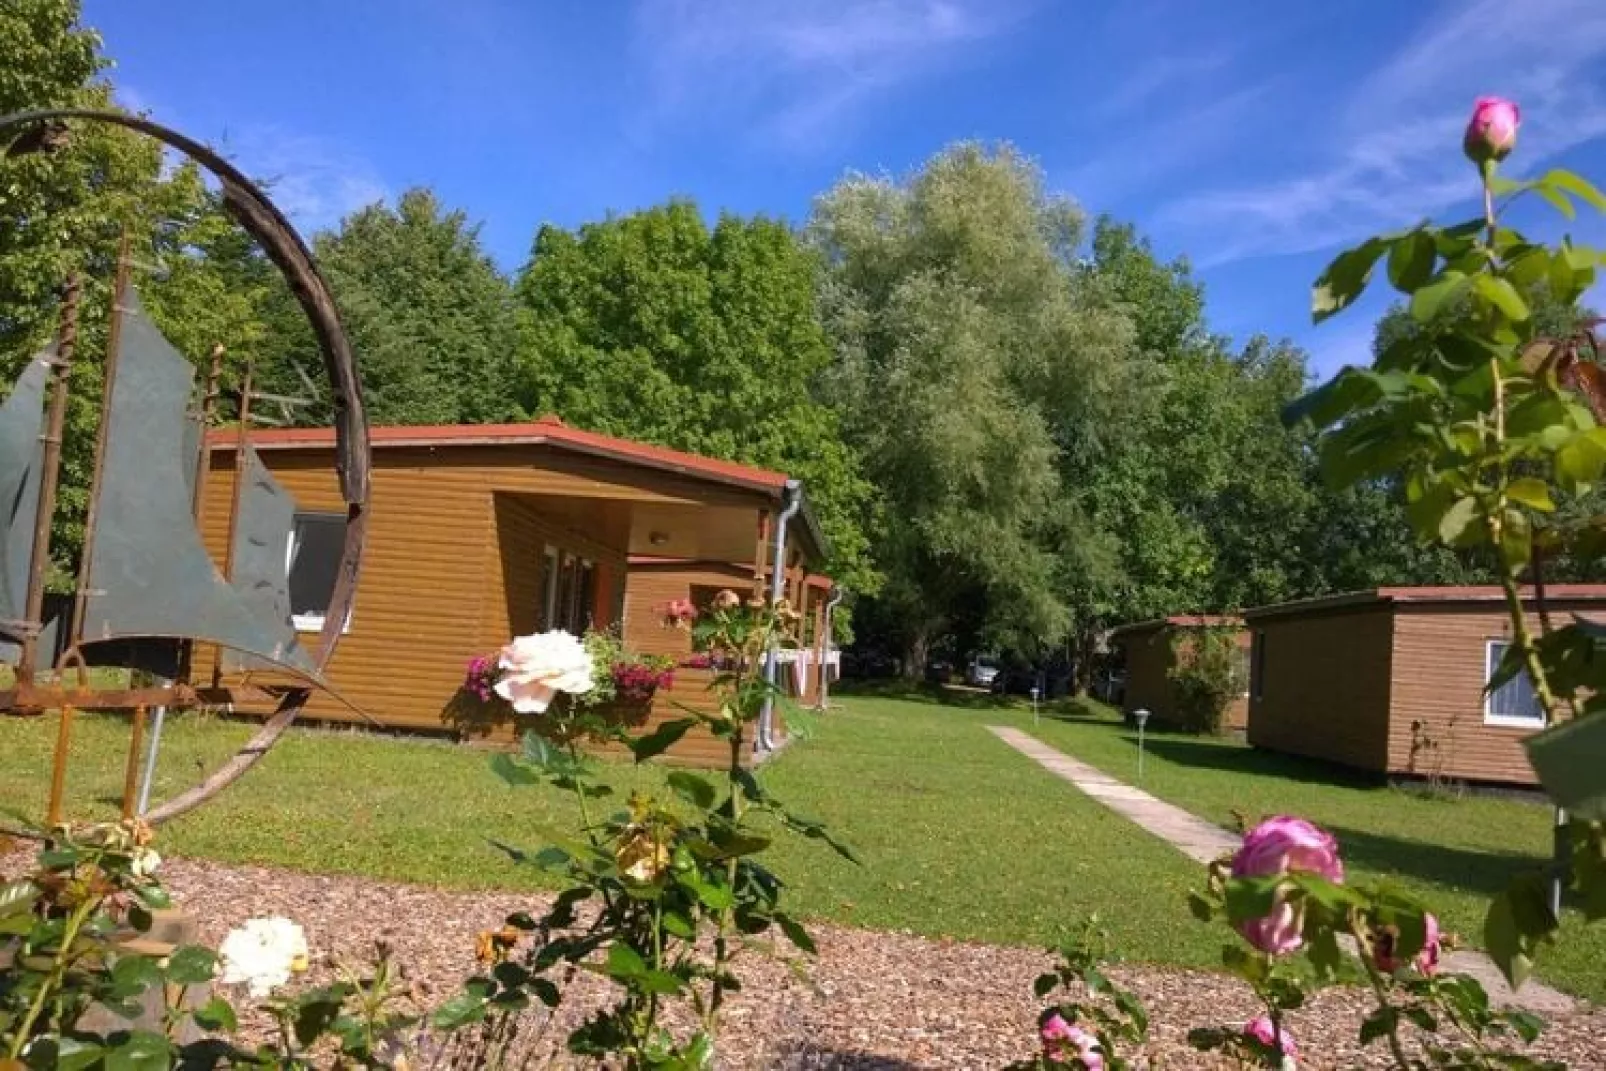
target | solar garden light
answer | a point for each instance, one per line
(1141, 716)
(1034, 704)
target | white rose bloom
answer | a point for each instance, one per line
(536, 668)
(144, 862)
(262, 954)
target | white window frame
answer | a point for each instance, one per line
(308, 622)
(1504, 721)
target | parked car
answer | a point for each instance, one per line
(981, 672)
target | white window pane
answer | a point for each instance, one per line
(1516, 698)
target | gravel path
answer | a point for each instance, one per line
(882, 1001)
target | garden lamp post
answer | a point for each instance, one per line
(1141, 716)
(1034, 704)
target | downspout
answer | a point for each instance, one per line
(837, 593)
(793, 497)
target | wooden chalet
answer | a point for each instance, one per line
(480, 533)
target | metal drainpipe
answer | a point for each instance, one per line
(766, 719)
(825, 666)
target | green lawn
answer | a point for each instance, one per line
(1452, 852)
(960, 835)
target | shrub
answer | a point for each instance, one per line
(1206, 677)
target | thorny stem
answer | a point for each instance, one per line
(1521, 634)
(58, 971)
(1368, 960)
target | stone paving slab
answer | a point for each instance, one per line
(1205, 842)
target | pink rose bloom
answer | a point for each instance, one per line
(1427, 960)
(1492, 131)
(1277, 846)
(1261, 1029)
(1063, 1043)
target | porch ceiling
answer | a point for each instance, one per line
(711, 533)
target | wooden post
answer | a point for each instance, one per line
(759, 553)
(821, 645)
(114, 341)
(240, 442)
(131, 768)
(34, 606)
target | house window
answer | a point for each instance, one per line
(568, 591)
(549, 589)
(1257, 665)
(1514, 702)
(312, 560)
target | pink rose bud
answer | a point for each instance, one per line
(1261, 1029)
(1427, 960)
(1492, 131)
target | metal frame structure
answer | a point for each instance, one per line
(44, 131)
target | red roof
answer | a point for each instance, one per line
(1180, 621)
(548, 431)
(1423, 595)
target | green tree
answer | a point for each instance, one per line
(430, 316)
(66, 210)
(656, 327)
(969, 364)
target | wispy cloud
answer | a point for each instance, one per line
(1397, 131)
(1151, 152)
(315, 181)
(799, 71)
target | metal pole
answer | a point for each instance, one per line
(136, 737)
(58, 769)
(66, 347)
(1561, 860)
(149, 775)
(1140, 751)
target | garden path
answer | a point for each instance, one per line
(1206, 842)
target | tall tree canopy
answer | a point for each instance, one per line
(430, 316)
(654, 326)
(66, 211)
(969, 362)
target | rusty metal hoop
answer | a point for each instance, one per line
(263, 221)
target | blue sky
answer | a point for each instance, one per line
(1257, 138)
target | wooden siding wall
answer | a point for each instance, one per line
(651, 586)
(1325, 687)
(1437, 724)
(440, 579)
(1150, 657)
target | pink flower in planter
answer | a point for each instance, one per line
(1260, 1028)
(679, 613)
(1427, 960)
(1277, 846)
(1063, 1043)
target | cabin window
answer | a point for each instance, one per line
(549, 589)
(1257, 665)
(1514, 702)
(312, 561)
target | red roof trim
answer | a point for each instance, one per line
(1428, 595)
(547, 431)
(1180, 621)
